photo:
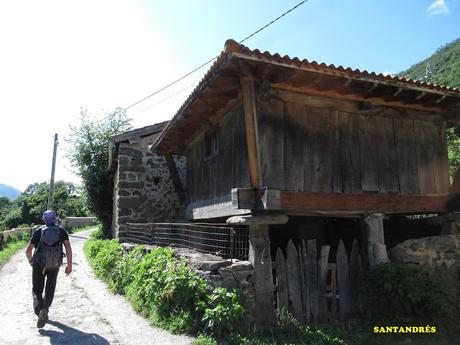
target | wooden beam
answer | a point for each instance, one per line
(398, 91)
(356, 203)
(440, 99)
(215, 208)
(252, 133)
(354, 97)
(175, 178)
(422, 94)
(373, 87)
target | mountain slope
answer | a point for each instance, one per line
(445, 66)
(8, 191)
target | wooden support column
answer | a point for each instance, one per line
(175, 178)
(260, 258)
(376, 248)
(252, 132)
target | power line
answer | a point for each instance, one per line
(211, 60)
(166, 98)
(274, 20)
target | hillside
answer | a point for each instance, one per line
(445, 66)
(8, 191)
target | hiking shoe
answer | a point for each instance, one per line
(42, 318)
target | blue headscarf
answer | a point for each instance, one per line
(50, 217)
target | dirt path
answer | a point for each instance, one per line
(84, 311)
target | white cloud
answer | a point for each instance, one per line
(438, 7)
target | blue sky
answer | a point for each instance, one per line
(58, 56)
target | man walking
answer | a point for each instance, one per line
(45, 261)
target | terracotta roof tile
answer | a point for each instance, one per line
(232, 46)
(233, 49)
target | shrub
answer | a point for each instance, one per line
(404, 291)
(99, 234)
(223, 313)
(104, 262)
(165, 289)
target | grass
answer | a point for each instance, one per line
(293, 332)
(10, 248)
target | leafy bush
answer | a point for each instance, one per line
(105, 259)
(404, 291)
(224, 312)
(165, 289)
(98, 234)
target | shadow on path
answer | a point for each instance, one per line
(72, 336)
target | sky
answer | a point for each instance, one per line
(58, 57)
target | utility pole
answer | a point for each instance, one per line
(53, 168)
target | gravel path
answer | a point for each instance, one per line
(84, 311)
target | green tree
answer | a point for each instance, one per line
(89, 155)
(29, 206)
(4, 205)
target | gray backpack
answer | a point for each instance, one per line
(49, 251)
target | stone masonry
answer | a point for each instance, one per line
(143, 188)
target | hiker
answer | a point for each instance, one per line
(46, 260)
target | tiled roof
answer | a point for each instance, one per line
(218, 88)
(232, 46)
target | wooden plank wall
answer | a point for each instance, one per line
(314, 149)
(214, 177)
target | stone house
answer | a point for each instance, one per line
(322, 165)
(143, 186)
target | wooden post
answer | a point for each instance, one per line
(252, 132)
(376, 248)
(343, 281)
(293, 270)
(175, 178)
(322, 282)
(53, 169)
(281, 282)
(260, 258)
(312, 279)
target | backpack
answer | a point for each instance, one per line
(49, 251)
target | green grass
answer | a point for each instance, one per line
(292, 332)
(11, 248)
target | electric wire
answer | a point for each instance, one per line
(197, 68)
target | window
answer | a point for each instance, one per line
(211, 140)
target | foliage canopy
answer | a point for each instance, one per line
(89, 154)
(29, 206)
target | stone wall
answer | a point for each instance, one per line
(144, 191)
(78, 222)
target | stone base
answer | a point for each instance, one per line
(438, 255)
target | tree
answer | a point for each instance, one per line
(30, 205)
(89, 155)
(4, 205)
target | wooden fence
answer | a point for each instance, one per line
(314, 290)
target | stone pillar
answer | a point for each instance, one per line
(260, 258)
(376, 248)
